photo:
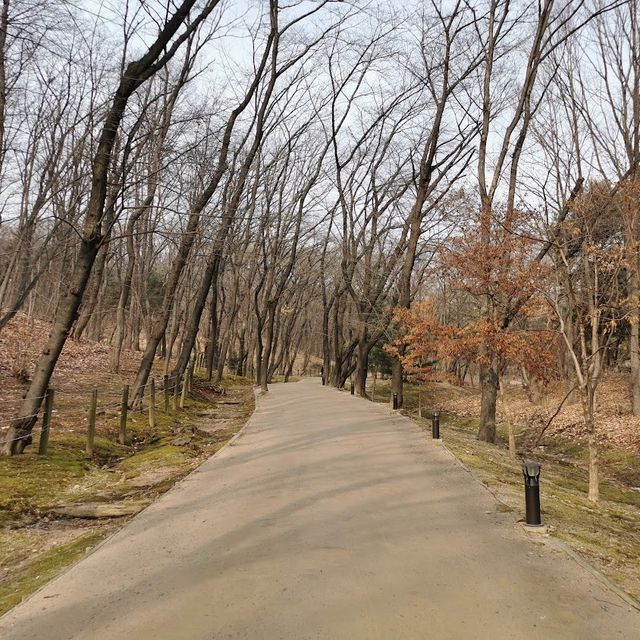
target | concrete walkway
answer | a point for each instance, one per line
(330, 519)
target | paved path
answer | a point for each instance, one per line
(326, 519)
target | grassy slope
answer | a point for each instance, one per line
(35, 545)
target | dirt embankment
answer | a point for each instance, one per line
(616, 426)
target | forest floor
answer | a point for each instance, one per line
(607, 535)
(54, 508)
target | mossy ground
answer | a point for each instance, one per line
(607, 534)
(35, 544)
(45, 566)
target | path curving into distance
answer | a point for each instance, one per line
(327, 518)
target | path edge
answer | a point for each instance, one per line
(550, 540)
(258, 399)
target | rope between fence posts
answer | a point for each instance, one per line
(118, 394)
(21, 399)
(27, 435)
(12, 420)
(114, 405)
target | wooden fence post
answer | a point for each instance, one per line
(191, 373)
(176, 393)
(91, 432)
(152, 403)
(185, 378)
(46, 423)
(124, 408)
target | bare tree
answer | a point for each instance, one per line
(96, 227)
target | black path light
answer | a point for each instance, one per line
(395, 401)
(435, 426)
(531, 473)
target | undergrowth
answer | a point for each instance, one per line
(32, 487)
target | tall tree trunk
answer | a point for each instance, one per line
(259, 348)
(513, 450)
(123, 301)
(489, 390)
(222, 357)
(209, 281)
(268, 346)
(587, 397)
(338, 347)
(634, 337)
(326, 347)
(242, 354)
(168, 301)
(19, 434)
(212, 351)
(91, 298)
(396, 380)
(362, 367)
(4, 28)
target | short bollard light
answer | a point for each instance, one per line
(435, 426)
(395, 401)
(353, 389)
(323, 381)
(531, 473)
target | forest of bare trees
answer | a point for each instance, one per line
(269, 182)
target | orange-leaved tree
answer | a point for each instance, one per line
(509, 322)
(502, 280)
